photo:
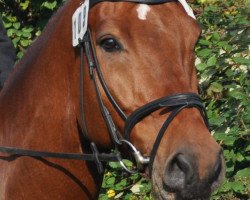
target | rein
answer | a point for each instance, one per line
(94, 157)
(176, 103)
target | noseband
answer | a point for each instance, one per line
(174, 104)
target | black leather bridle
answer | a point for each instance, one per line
(175, 103)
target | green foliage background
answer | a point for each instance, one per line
(223, 67)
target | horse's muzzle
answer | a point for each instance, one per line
(181, 176)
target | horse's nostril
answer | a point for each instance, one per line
(181, 175)
(178, 173)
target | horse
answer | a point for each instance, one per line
(140, 57)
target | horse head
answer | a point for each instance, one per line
(146, 52)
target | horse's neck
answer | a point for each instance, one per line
(39, 107)
(38, 100)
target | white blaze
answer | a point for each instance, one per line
(142, 11)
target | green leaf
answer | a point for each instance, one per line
(103, 197)
(224, 45)
(237, 94)
(225, 187)
(134, 176)
(201, 66)
(237, 186)
(7, 25)
(20, 54)
(242, 60)
(110, 181)
(204, 52)
(24, 43)
(243, 173)
(11, 32)
(229, 73)
(239, 157)
(229, 141)
(114, 165)
(16, 40)
(49, 5)
(128, 163)
(19, 33)
(27, 29)
(146, 187)
(25, 5)
(211, 61)
(16, 25)
(204, 42)
(215, 87)
(26, 34)
(121, 184)
(220, 136)
(216, 36)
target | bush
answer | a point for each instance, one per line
(223, 63)
(25, 19)
(223, 66)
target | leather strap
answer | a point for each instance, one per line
(83, 119)
(69, 156)
(178, 100)
(149, 2)
(164, 127)
(101, 78)
(93, 69)
(95, 156)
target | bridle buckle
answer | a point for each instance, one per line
(140, 160)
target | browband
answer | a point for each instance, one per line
(80, 16)
(94, 2)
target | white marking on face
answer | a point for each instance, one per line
(142, 11)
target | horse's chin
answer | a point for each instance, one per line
(159, 192)
(163, 195)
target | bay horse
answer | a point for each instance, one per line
(140, 57)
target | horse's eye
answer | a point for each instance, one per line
(110, 45)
